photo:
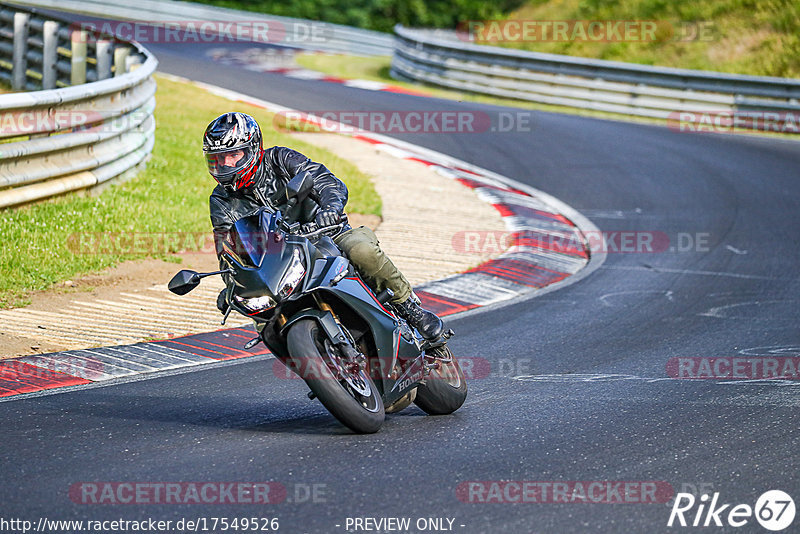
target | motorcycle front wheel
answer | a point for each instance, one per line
(349, 395)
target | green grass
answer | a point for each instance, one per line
(170, 195)
(375, 68)
(757, 37)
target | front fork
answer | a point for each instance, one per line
(333, 329)
(343, 340)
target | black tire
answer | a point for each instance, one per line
(445, 389)
(362, 414)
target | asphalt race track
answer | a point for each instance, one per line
(579, 388)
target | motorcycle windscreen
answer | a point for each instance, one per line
(256, 245)
(251, 239)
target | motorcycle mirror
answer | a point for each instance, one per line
(184, 281)
(296, 189)
(300, 185)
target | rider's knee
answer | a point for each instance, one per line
(365, 256)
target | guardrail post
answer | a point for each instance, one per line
(103, 59)
(20, 56)
(79, 39)
(121, 60)
(32, 170)
(49, 54)
(132, 63)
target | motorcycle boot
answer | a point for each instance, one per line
(426, 322)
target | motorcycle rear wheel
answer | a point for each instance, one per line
(352, 399)
(445, 388)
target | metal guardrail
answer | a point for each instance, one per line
(440, 58)
(327, 37)
(77, 135)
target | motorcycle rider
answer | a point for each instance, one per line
(248, 175)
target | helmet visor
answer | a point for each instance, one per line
(225, 164)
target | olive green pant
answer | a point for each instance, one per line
(362, 248)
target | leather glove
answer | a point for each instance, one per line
(327, 217)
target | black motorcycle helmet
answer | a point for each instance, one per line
(233, 148)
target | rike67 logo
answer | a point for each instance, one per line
(774, 510)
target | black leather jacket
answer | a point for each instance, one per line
(279, 165)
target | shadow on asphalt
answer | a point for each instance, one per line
(242, 413)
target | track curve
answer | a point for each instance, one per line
(580, 391)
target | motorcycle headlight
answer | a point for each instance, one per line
(256, 304)
(293, 275)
